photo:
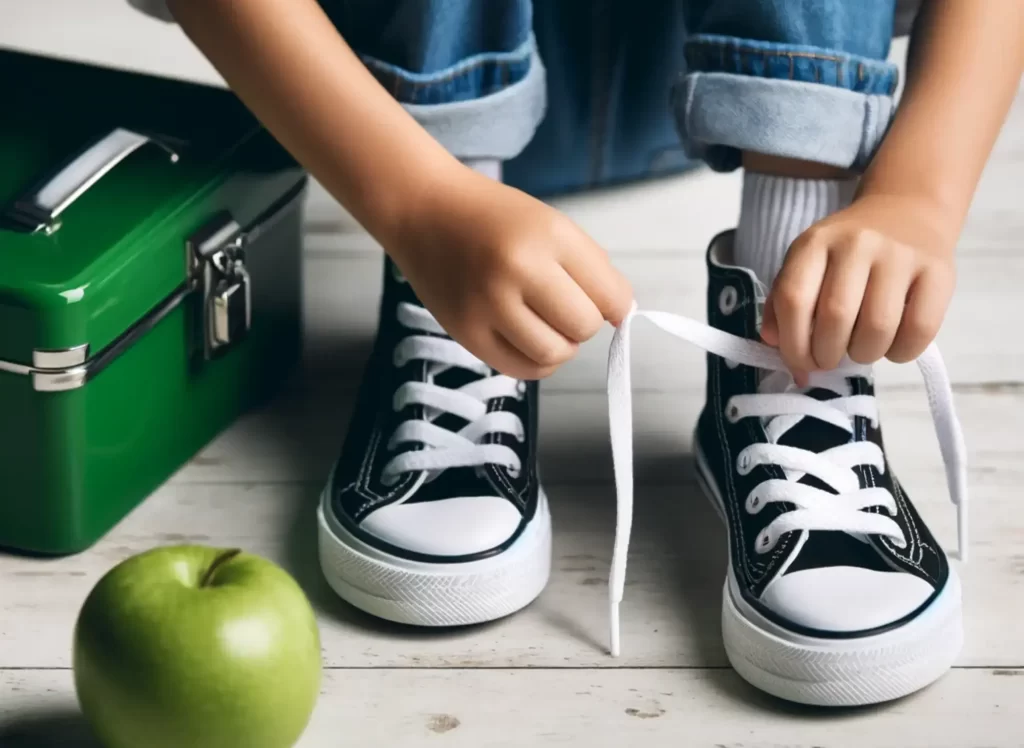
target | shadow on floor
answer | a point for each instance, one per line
(308, 421)
(61, 728)
(688, 526)
(752, 700)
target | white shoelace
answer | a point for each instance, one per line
(782, 405)
(470, 446)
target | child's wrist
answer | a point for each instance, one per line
(420, 207)
(920, 208)
(402, 203)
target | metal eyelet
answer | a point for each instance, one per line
(520, 390)
(728, 299)
(753, 503)
(732, 413)
(743, 463)
(764, 542)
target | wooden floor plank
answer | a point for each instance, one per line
(673, 592)
(599, 709)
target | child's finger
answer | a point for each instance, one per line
(842, 290)
(880, 313)
(795, 294)
(590, 267)
(506, 358)
(922, 316)
(770, 335)
(536, 339)
(560, 302)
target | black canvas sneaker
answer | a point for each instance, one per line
(433, 514)
(837, 593)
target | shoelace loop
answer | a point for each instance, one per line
(816, 509)
(443, 448)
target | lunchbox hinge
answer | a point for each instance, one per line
(216, 256)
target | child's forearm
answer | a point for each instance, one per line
(289, 65)
(966, 60)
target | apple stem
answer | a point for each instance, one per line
(217, 563)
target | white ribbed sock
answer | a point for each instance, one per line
(776, 210)
(489, 167)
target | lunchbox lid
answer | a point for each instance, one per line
(100, 171)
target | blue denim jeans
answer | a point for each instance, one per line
(573, 94)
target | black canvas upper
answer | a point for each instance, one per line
(721, 441)
(357, 489)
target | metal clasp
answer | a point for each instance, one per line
(216, 256)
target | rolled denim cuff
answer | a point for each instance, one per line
(720, 115)
(487, 106)
(785, 100)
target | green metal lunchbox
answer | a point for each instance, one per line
(150, 288)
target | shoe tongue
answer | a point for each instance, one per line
(454, 378)
(760, 296)
(814, 435)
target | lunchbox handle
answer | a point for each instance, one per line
(40, 209)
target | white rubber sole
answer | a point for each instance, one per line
(428, 594)
(838, 672)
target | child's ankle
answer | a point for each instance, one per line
(776, 210)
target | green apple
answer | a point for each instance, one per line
(195, 647)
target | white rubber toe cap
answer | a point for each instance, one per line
(460, 526)
(845, 598)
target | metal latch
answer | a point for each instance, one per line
(216, 256)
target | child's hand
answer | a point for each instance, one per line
(513, 280)
(872, 280)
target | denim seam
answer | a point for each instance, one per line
(521, 54)
(411, 87)
(746, 53)
(745, 49)
(415, 85)
(766, 53)
(404, 88)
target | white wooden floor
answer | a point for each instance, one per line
(542, 678)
